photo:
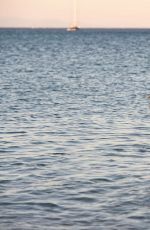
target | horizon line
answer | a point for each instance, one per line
(36, 27)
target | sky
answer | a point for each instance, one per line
(91, 13)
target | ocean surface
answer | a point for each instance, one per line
(74, 129)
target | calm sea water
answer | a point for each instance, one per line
(74, 129)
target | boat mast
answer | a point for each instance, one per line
(74, 26)
(75, 12)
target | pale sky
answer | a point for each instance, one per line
(91, 13)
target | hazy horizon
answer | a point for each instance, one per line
(59, 14)
(88, 28)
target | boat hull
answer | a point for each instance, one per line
(73, 29)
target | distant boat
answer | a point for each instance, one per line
(74, 26)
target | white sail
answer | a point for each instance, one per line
(75, 12)
(74, 26)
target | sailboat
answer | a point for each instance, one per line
(74, 26)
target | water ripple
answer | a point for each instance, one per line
(74, 129)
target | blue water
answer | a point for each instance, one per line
(74, 129)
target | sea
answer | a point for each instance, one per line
(75, 129)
